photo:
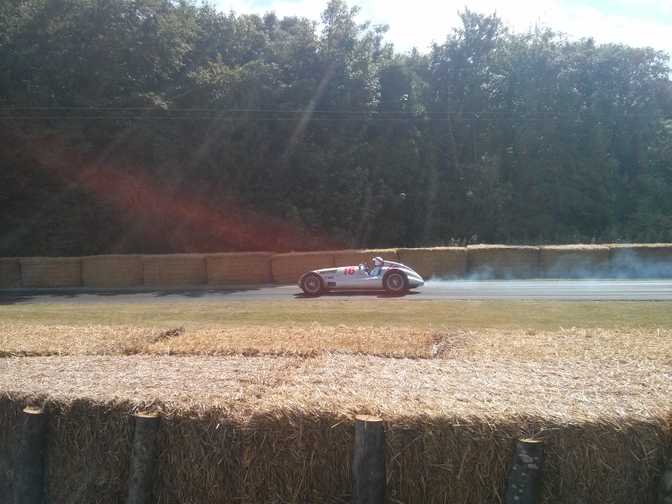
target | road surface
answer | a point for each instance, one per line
(623, 290)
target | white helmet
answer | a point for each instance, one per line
(378, 262)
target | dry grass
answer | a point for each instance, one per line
(33, 340)
(565, 391)
(316, 339)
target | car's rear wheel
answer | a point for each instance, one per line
(395, 282)
(312, 285)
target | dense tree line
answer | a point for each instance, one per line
(165, 126)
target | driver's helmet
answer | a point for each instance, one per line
(378, 262)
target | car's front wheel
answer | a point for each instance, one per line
(312, 285)
(395, 283)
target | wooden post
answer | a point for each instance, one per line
(524, 482)
(143, 458)
(665, 485)
(368, 461)
(29, 488)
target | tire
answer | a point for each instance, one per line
(312, 284)
(395, 282)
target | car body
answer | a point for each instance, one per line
(393, 277)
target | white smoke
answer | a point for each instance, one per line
(622, 264)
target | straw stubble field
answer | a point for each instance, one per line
(258, 405)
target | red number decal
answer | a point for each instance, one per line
(349, 271)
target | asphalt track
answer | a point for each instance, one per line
(569, 290)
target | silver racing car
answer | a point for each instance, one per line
(393, 277)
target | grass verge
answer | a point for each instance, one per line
(539, 315)
(316, 339)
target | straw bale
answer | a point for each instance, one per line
(502, 261)
(441, 262)
(51, 272)
(355, 257)
(280, 430)
(10, 415)
(10, 273)
(287, 268)
(575, 261)
(88, 450)
(282, 456)
(239, 268)
(642, 260)
(174, 270)
(452, 460)
(112, 271)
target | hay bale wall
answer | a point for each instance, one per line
(502, 261)
(277, 457)
(290, 456)
(641, 261)
(441, 262)
(175, 270)
(39, 272)
(239, 268)
(10, 418)
(88, 452)
(354, 257)
(112, 271)
(575, 261)
(475, 261)
(10, 273)
(287, 268)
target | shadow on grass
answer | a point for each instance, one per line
(83, 295)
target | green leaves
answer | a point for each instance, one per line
(245, 118)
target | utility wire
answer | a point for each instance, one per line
(214, 112)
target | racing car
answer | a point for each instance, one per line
(378, 274)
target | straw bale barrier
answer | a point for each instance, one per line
(239, 268)
(502, 261)
(304, 456)
(575, 261)
(641, 260)
(442, 262)
(10, 414)
(287, 268)
(109, 271)
(51, 272)
(479, 261)
(274, 429)
(174, 270)
(10, 273)
(353, 257)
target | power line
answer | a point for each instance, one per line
(220, 114)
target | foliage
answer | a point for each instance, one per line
(166, 126)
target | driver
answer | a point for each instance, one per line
(377, 266)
